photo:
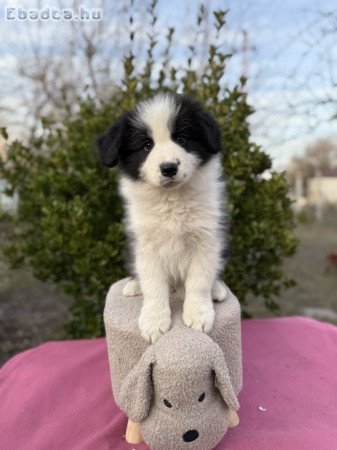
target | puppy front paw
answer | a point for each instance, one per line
(153, 324)
(219, 291)
(132, 288)
(199, 318)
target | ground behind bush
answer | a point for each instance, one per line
(32, 312)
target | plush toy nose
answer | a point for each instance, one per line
(169, 169)
(190, 435)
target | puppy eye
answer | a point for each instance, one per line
(181, 139)
(167, 403)
(148, 145)
(201, 398)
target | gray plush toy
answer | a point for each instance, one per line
(181, 390)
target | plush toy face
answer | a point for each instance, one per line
(180, 392)
(187, 412)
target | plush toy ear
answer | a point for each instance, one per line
(222, 379)
(109, 143)
(136, 395)
(211, 131)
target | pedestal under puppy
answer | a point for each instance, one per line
(168, 153)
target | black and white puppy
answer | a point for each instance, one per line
(167, 150)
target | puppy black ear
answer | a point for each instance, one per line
(109, 143)
(211, 131)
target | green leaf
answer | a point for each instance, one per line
(68, 227)
(3, 132)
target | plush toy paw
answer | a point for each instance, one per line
(219, 291)
(132, 288)
(153, 323)
(199, 318)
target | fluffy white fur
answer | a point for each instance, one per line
(178, 244)
(175, 217)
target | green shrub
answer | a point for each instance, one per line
(69, 223)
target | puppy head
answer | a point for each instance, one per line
(163, 141)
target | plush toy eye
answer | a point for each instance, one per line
(201, 398)
(181, 140)
(148, 145)
(167, 403)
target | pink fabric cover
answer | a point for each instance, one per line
(58, 396)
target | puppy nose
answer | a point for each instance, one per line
(190, 435)
(169, 169)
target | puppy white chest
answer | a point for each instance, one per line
(168, 226)
(172, 226)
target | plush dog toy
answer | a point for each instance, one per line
(180, 392)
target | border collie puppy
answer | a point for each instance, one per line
(168, 153)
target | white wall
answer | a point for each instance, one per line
(322, 190)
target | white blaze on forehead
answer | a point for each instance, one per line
(158, 114)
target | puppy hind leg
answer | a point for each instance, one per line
(219, 291)
(132, 288)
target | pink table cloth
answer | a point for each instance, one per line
(58, 395)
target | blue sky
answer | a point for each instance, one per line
(286, 69)
(282, 82)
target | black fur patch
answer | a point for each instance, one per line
(109, 143)
(201, 131)
(134, 149)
